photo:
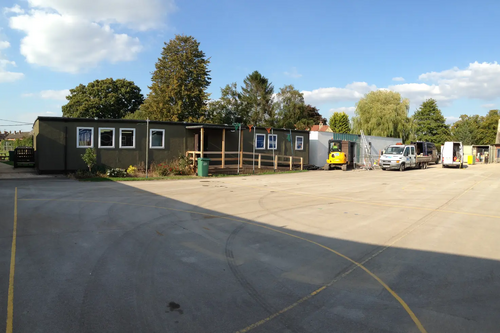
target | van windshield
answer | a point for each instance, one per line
(394, 150)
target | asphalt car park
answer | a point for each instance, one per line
(322, 251)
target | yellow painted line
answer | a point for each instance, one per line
(10, 298)
(392, 292)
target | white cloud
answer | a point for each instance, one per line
(399, 78)
(450, 120)
(347, 109)
(140, 15)
(293, 73)
(16, 10)
(70, 44)
(351, 92)
(58, 95)
(73, 36)
(488, 106)
(477, 81)
(5, 75)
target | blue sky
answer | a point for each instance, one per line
(332, 51)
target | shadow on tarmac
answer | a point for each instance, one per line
(108, 257)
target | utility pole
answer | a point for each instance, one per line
(147, 146)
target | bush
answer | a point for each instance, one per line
(132, 171)
(83, 174)
(163, 169)
(116, 172)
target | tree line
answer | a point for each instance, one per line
(178, 92)
(385, 113)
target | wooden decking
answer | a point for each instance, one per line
(247, 160)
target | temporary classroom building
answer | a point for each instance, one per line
(59, 143)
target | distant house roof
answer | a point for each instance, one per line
(321, 128)
(3, 135)
(17, 135)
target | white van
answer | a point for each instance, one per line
(452, 154)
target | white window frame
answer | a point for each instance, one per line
(264, 147)
(99, 142)
(296, 141)
(151, 138)
(78, 137)
(269, 141)
(127, 129)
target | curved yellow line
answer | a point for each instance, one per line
(392, 292)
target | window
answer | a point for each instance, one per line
(106, 137)
(127, 137)
(272, 141)
(299, 142)
(157, 138)
(407, 151)
(84, 137)
(413, 150)
(260, 141)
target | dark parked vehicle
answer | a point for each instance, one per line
(427, 149)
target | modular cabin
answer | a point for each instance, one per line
(59, 143)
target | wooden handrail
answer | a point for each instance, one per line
(191, 155)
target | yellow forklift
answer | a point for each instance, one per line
(340, 155)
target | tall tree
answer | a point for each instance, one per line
(339, 123)
(179, 82)
(113, 99)
(466, 129)
(382, 113)
(257, 95)
(290, 107)
(314, 115)
(487, 132)
(430, 124)
(228, 108)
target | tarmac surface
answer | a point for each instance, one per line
(318, 251)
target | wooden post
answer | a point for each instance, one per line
(291, 163)
(223, 148)
(259, 161)
(241, 151)
(194, 158)
(275, 162)
(301, 163)
(202, 139)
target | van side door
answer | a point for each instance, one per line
(413, 158)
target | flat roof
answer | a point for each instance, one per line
(214, 126)
(180, 123)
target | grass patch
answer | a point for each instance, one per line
(8, 162)
(267, 172)
(132, 179)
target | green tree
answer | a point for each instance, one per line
(90, 158)
(466, 129)
(339, 123)
(313, 114)
(179, 82)
(487, 132)
(228, 108)
(257, 95)
(112, 99)
(382, 113)
(291, 109)
(430, 124)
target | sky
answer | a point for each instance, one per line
(334, 52)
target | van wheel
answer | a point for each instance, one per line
(383, 169)
(402, 167)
